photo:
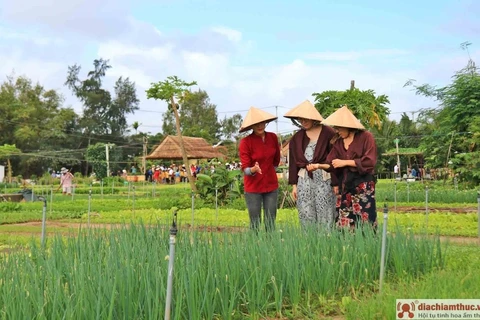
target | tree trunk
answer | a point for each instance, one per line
(182, 146)
(144, 159)
(9, 171)
(86, 159)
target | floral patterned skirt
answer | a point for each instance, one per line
(357, 207)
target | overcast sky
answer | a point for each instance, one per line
(243, 53)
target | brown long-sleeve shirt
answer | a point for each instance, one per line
(297, 146)
(362, 150)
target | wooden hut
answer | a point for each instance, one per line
(414, 154)
(409, 153)
(284, 151)
(196, 148)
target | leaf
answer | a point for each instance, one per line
(205, 178)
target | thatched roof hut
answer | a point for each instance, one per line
(197, 148)
(284, 147)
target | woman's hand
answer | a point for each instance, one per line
(256, 168)
(316, 166)
(294, 192)
(338, 163)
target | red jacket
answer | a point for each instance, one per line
(267, 153)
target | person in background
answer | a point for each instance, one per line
(260, 155)
(148, 174)
(193, 170)
(156, 175)
(414, 173)
(66, 181)
(308, 149)
(352, 159)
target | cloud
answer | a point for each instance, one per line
(216, 57)
(37, 39)
(94, 19)
(231, 34)
(46, 73)
(355, 55)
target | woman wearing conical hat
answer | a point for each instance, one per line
(352, 159)
(260, 155)
(308, 150)
(66, 181)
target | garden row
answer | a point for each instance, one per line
(122, 273)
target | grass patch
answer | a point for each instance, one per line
(459, 280)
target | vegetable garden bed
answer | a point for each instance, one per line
(222, 271)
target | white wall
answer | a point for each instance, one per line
(2, 173)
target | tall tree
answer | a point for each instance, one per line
(135, 126)
(407, 129)
(6, 152)
(102, 113)
(229, 131)
(32, 119)
(169, 90)
(366, 106)
(230, 127)
(456, 122)
(198, 117)
(384, 137)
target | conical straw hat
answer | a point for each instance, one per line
(343, 117)
(255, 116)
(305, 110)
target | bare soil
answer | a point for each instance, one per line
(67, 227)
(433, 210)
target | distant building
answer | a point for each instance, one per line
(196, 148)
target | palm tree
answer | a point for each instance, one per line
(135, 126)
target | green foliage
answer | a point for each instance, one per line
(167, 91)
(96, 155)
(230, 126)
(370, 109)
(9, 206)
(455, 126)
(198, 117)
(405, 150)
(46, 179)
(227, 183)
(135, 126)
(8, 150)
(384, 137)
(32, 119)
(102, 114)
(408, 128)
(173, 87)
